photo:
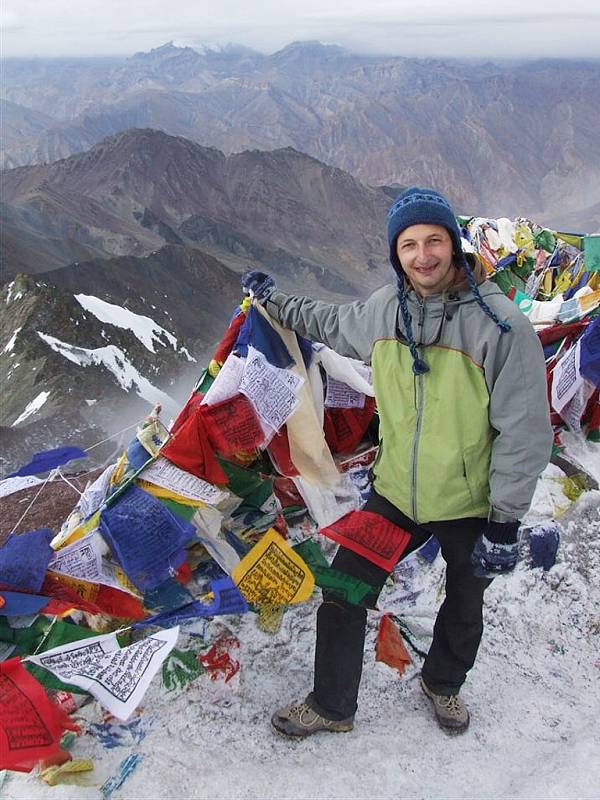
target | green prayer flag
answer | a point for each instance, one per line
(591, 253)
(25, 640)
(242, 482)
(180, 509)
(353, 590)
(545, 240)
(180, 668)
(205, 381)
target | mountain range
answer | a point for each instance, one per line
(313, 225)
(499, 139)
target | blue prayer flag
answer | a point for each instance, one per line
(429, 550)
(24, 559)
(14, 604)
(257, 332)
(227, 600)
(46, 460)
(137, 455)
(590, 352)
(168, 595)
(145, 537)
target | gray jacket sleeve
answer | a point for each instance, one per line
(520, 415)
(350, 329)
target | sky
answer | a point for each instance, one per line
(461, 28)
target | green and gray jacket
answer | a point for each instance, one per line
(470, 437)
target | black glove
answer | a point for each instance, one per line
(258, 284)
(496, 551)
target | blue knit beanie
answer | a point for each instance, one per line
(422, 207)
(416, 206)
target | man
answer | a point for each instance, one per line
(460, 384)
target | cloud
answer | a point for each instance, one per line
(430, 28)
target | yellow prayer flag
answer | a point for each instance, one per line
(161, 491)
(54, 775)
(273, 573)
(62, 539)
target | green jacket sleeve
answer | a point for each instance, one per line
(520, 416)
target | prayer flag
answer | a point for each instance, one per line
(590, 352)
(116, 677)
(227, 343)
(94, 598)
(31, 726)
(390, 647)
(145, 537)
(371, 536)
(59, 633)
(227, 600)
(352, 589)
(256, 332)
(190, 449)
(273, 573)
(24, 558)
(46, 460)
(232, 426)
(279, 453)
(15, 604)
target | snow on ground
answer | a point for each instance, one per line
(534, 696)
(115, 361)
(12, 485)
(31, 408)
(11, 342)
(144, 328)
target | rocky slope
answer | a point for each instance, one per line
(76, 363)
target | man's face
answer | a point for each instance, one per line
(425, 253)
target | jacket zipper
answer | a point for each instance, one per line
(419, 409)
(419, 389)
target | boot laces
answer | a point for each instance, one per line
(453, 704)
(299, 709)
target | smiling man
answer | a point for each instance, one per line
(459, 378)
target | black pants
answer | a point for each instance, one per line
(457, 631)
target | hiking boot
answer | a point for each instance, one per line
(299, 720)
(450, 710)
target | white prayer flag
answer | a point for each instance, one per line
(117, 677)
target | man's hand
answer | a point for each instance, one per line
(258, 284)
(496, 551)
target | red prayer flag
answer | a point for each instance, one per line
(222, 659)
(190, 450)
(370, 535)
(95, 598)
(191, 405)
(389, 647)
(225, 346)
(233, 426)
(31, 726)
(345, 427)
(279, 452)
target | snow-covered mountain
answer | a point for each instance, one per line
(72, 364)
